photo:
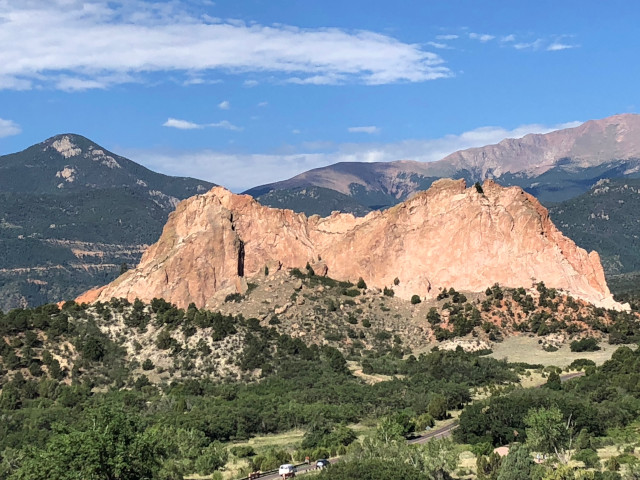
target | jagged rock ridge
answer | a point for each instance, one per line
(448, 236)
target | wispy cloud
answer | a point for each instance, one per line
(187, 125)
(446, 37)
(367, 129)
(559, 46)
(239, 171)
(508, 38)
(482, 37)
(9, 128)
(440, 45)
(75, 45)
(535, 45)
(224, 105)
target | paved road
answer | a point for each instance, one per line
(569, 376)
(441, 432)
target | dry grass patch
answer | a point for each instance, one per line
(526, 349)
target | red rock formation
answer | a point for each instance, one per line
(447, 236)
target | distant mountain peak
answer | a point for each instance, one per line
(64, 145)
(553, 166)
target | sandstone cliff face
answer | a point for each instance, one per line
(448, 236)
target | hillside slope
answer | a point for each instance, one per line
(71, 213)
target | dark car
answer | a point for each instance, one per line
(322, 463)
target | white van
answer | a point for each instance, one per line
(287, 470)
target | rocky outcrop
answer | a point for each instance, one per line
(447, 236)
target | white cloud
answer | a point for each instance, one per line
(187, 125)
(240, 171)
(224, 124)
(295, 131)
(181, 124)
(9, 128)
(251, 83)
(367, 129)
(559, 46)
(482, 37)
(535, 45)
(446, 37)
(263, 104)
(224, 105)
(508, 38)
(442, 46)
(73, 44)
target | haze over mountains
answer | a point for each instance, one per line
(553, 167)
(71, 213)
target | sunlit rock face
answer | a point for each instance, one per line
(447, 236)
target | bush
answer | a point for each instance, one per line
(588, 457)
(388, 292)
(587, 344)
(233, 297)
(352, 292)
(148, 364)
(581, 363)
(243, 451)
(415, 299)
(361, 283)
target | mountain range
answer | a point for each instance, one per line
(553, 167)
(72, 213)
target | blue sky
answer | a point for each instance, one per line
(248, 92)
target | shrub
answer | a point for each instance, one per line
(587, 344)
(233, 297)
(588, 457)
(351, 292)
(388, 292)
(243, 451)
(361, 283)
(581, 363)
(147, 364)
(415, 299)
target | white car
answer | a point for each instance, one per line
(287, 470)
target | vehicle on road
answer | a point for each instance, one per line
(287, 470)
(322, 464)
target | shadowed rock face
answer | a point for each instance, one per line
(447, 236)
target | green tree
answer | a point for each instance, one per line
(548, 432)
(554, 382)
(517, 465)
(115, 447)
(212, 458)
(438, 407)
(487, 466)
(372, 469)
